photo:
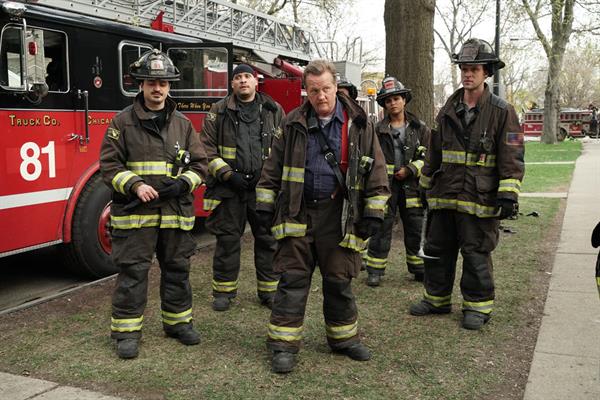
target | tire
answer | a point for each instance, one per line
(561, 135)
(88, 254)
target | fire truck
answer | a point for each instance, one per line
(64, 75)
(573, 123)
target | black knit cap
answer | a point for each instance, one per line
(241, 69)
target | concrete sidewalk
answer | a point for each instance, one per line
(15, 387)
(566, 361)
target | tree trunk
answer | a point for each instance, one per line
(409, 51)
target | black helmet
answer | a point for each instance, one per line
(342, 82)
(154, 65)
(477, 51)
(391, 86)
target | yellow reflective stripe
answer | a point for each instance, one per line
(176, 318)
(378, 263)
(135, 221)
(286, 229)
(227, 152)
(598, 283)
(121, 179)
(210, 204)
(418, 164)
(293, 174)
(267, 286)
(342, 331)
(194, 179)
(453, 156)
(215, 165)
(376, 202)
(469, 159)
(413, 202)
(150, 167)
(410, 259)
(390, 169)
(509, 185)
(177, 221)
(484, 307)
(126, 324)
(284, 333)
(425, 182)
(224, 287)
(467, 207)
(437, 301)
(265, 196)
(353, 242)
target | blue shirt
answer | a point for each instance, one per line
(319, 179)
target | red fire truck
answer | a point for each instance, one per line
(573, 123)
(63, 76)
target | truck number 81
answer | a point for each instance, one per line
(30, 154)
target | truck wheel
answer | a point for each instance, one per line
(89, 251)
(561, 135)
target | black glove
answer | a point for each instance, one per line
(265, 218)
(238, 182)
(370, 226)
(508, 208)
(173, 188)
(423, 197)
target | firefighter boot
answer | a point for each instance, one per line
(266, 299)
(127, 348)
(357, 352)
(221, 303)
(283, 362)
(474, 320)
(374, 280)
(425, 308)
(186, 334)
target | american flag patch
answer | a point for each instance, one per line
(514, 138)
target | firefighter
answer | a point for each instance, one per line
(402, 137)
(322, 191)
(347, 87)
(472, 175)
(237, 136)
(152, 154)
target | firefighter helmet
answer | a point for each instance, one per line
(154, 64)
(344, 83)
(478, 51)
(391, 86)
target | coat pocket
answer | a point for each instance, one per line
(486, 189)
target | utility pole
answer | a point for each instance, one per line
(497, 45)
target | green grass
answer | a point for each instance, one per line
(568, 150)
(414, 358)
(549, 177)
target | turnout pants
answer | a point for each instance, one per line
(380, 244)
(447, 232)
(296, 258)
(227, 222)
(132, 252)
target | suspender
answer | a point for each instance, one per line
(329, 155)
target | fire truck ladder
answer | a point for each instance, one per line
(211, 20)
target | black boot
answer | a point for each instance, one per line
(419, 276)
(221, 303)
(283, 362)
(127, 348)
(474, 320)
(186, 335)
(424, 308)
(266, 299)
(357, 352)
(374, 280)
